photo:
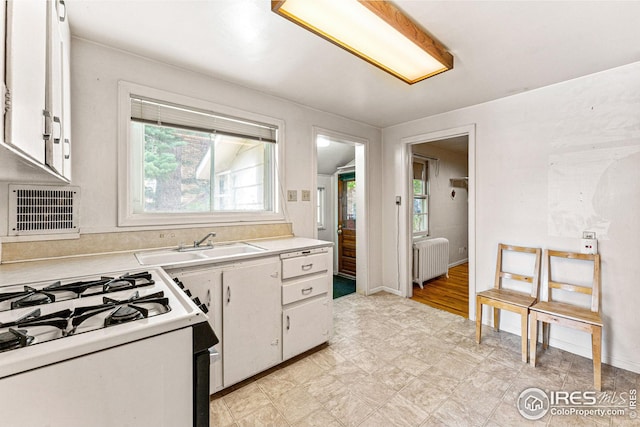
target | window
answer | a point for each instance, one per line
(320, 208)
(420, 197)
(190, 164)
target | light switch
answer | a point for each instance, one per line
(292, 195)
(306, 195)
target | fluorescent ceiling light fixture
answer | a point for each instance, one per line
(376, 31)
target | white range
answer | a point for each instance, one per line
(118, 348)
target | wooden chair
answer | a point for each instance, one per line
(570, 315)
(506, 299)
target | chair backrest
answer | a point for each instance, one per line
(594, 290)
(533, 279)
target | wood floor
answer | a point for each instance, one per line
(448, 294)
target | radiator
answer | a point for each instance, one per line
(430, 259)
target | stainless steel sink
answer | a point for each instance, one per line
(173, 256)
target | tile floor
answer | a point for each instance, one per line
(396, 362)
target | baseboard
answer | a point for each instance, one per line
(384, 289)
(462, 261)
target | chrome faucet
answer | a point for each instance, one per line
(197, 244)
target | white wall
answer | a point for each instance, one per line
(96, 71)
(550, 163)
(448, 216)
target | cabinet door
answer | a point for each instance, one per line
(26, 69)
(54, 152)
(305, 325)
(251, 319)
(65, 33)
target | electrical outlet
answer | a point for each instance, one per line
(589, 246)
(292, 195)
(305, 195)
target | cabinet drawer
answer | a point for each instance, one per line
(294, 267)
(304, 288)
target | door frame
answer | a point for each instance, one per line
(406, 232)
(363, 199)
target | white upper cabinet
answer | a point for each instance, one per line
(65, 33)
(37, 121)
(26, 62)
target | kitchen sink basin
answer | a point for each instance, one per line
(170, 256)
(173, 256)
(230, 250)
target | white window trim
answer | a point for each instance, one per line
(126, 215)
(425, 195)
(322, 203)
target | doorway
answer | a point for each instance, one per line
(440, 172)
(341, 207)
(457, 188)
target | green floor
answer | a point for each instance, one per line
(343, 286)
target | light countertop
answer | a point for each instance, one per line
(78, 266)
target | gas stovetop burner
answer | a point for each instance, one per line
(58, 291)
(47, 327)
(122, 311)
(42, 312)
(14, 338)
(104, 284)
(126, 313)
(33, 298)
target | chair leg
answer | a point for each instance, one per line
(596, 344)
(478, 320)
(524, 331)
(545, 334)
(496, 319)
(533, 339)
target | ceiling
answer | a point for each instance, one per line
(500, 48)
(335, 155)
(457, 144)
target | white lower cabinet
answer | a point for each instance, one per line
(305, 325)
(307, 300)
(251, 309)
(259, 318)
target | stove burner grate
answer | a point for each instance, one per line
(123, 311)
(32, 298)
(104, 284)
(14, 338)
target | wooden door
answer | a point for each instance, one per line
(347, 224)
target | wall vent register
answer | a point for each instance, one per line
(37, 209)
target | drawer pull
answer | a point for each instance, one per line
(306, 267)
(307, 290)
(288, 323)
(228, 294)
